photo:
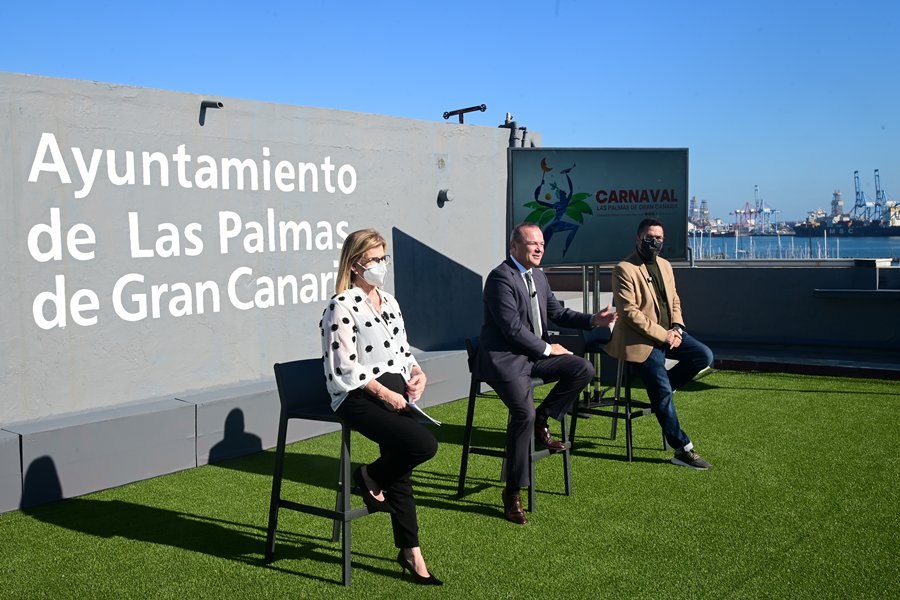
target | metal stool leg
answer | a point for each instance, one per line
(276, 489)
(467, 439)
(567, 465)
(345, 477)
(531, 489)
(617, 398)
(343, 488)
(626, 375)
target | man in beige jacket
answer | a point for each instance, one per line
(651, 329)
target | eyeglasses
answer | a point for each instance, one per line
(386, 259)
(653, 238)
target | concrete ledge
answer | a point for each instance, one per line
(10, 472)
(243, 420)
(79, 454)
(858, 294)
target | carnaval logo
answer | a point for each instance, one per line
(549, 215)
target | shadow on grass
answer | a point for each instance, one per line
(201, 534)
(115, 518)
(315, 470)
(433, 489)
(615, 453)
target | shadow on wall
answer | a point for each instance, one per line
(440, 298)
(41, 484)
(236, 442)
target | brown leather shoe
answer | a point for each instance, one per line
(512, 509)
(542, 435)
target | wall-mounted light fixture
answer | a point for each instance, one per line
(445, 196)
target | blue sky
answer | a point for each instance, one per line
(791, 96)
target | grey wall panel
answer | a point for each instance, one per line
(10, 472)
(243, 420)
(236, 421)
(778, 303)
(448, 376)
(79, 454)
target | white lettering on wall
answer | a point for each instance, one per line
(114, 178)
(87, 174)
(232, 288)
(48, 158)
(54, 230)
(139, 299)
(48, 142)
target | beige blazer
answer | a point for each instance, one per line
(637, 330)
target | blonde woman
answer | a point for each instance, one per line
(371, 375)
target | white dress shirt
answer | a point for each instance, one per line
(359, 344)
(523, 270)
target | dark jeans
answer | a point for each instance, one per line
(692, 356)
(404, 445)
(573, 373)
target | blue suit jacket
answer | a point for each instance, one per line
(508, 347)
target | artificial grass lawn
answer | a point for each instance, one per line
(802, 502)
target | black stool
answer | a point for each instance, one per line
(468, 448)
(302, 392)
(632, 409)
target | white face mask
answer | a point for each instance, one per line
(376, 274)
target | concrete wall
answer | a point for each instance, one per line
(119, 206)
(815, 308)
(100, 358)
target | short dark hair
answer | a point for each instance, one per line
(516, 235)
(647, 224)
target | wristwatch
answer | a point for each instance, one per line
(678, 329)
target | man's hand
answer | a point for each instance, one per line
(673, 338)
(416, 384)
(557, 350)
(604, 318)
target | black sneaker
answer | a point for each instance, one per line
(690, 459)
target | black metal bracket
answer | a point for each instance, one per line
(462, 111)
(208, 104)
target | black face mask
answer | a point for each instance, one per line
(650, 249)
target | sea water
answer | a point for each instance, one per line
(790, 246)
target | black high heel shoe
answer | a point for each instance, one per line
(405, 564)
(372, 503)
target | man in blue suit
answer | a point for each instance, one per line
(514, 347)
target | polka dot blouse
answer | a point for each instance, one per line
(359, 344)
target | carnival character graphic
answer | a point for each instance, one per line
(549, 215)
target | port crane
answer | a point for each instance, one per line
(864, 206)
(881, 200)
(756, 218)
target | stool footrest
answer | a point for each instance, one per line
(487, 452)
(334, 515)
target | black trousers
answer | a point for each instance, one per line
(573, 373)
(404, 445)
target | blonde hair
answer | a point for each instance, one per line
(356, 244)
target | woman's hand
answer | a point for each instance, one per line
(393, 400)
(416, 384)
